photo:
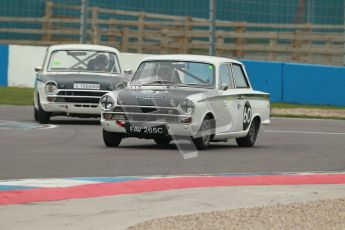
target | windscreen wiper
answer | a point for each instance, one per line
(158, 82)
(192, 85)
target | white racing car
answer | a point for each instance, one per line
(201, 98)
(73, 78)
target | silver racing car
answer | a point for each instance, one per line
(200, 98)
(73, 78)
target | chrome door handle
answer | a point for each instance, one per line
(240, 97)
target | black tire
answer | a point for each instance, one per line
(162, 140)
(112, 139)
(249, 140)
(204, 134)
(43, 117)
(35, 114)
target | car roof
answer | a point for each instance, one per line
(83, 47)
(189, 57)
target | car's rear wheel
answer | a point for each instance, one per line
(43, 117)
(162, 140)
(249, 140)
(112, 139)
(204, 134)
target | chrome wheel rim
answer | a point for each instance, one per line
(205, 132)
(252, 132)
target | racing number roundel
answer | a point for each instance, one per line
(247, 115)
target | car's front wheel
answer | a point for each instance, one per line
(112, 139)
(35, 114)
(43, 117)
(249, 140)
(204, 134)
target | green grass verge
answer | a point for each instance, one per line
(308, 116)
(24, 96)
(16, 96)
(292, 106)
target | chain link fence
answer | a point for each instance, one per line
(283, 11)
(309, 31)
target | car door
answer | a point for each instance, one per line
(240, 92)
(230, 114)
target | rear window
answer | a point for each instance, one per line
(239, 77)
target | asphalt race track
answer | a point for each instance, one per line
(74, 148)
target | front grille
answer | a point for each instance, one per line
(81, 93)
(77, 100)
(150, 110)
(86, 106)
(77, 96)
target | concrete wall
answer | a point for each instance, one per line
(21, 64)
(131, 60)
(291, 83)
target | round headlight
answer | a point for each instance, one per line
(107, 102)
(51, 87)
(187, 106)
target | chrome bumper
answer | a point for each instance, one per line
(177, 124)
(71, 108)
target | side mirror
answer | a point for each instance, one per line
(38, 69)
(128, 71)
(224, 87)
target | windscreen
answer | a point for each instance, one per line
(83, 61)
(174, 72)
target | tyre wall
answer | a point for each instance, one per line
(3, 65)
(299, 83)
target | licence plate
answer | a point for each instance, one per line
(148, 130)
(86, 86)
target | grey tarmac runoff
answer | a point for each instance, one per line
(74, 148)
(71, 153)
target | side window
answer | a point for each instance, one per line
(224, 75)
(239, 77)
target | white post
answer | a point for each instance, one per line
(212, 28)
(344, 35)
(83, 21)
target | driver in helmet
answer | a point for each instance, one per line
(101, 63)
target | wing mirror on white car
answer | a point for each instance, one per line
(224, 87)
(128, 71)
(38, 69)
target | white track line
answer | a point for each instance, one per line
(304, 119)
(65, 182)
(49, 127)
(46, 183)
(302, 132)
